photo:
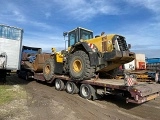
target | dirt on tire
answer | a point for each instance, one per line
(84, 69)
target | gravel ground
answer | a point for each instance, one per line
(43, 102)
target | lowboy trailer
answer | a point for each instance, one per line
(138, 92)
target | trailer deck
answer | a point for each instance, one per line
(93, 81)
(106, 82)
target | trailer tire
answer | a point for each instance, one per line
(48, 69)
(79, 66)
(71, 88)
(26, 77)
(59, 85)
(3, 74)
(87, 92)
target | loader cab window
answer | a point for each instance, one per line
(72, 39)
(85, 35)
(77, 34)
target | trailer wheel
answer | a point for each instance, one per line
(71, 88)
(48, 69)
(87, 91)
(3, 74)
(26, 77)
(18, 74)
(79, 66)
(59, 85)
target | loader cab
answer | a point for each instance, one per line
(77, 34)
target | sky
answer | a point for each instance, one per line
(44, 21)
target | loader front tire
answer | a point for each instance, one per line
(79, 66)
(48, 69)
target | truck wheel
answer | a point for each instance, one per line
(48, 69)
(59, 85)
(71, 88)
(79, 66)
(87, 91)
(18, 73)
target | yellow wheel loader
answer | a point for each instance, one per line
(88, 56)
(86, 66)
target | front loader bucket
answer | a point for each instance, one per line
(116, 59)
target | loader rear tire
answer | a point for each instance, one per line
(79, 66)
(48, 69)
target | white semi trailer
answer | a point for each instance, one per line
(10, 49)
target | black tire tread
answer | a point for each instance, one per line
(92, 92)
(50, 62)
(75, 88)
(62, 85)
(88, 70)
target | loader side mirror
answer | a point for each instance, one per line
(129, 46)
(65, 34)
(53, 50)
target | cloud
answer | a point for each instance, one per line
(45, 42)
(149, 53)
(149, 4)
(11, 12)
(41, 25)
(37, 33)
(47, 15)
(144, 38)
(17, 14)
(44, 21)
(86, 9)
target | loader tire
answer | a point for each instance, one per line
(48, 69)
(79, 66)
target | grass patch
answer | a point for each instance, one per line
(11, 92)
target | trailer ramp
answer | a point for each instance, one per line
(144, 92)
